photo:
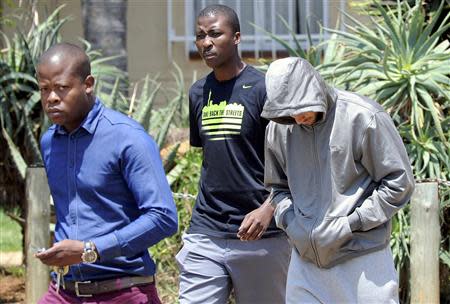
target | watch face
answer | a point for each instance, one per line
(89, 256)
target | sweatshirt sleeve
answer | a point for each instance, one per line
(276, 182)
(384, 157)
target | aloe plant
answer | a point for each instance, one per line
(327, 50)
(312, 53)
(401, 63)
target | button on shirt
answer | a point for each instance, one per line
(109, 186)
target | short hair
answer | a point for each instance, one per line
(218, 9)
(76, 56)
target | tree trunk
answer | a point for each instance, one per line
(105, 27)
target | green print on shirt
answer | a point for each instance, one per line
(221, 121)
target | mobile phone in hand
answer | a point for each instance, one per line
(39, 250)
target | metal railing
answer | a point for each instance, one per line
(258, 41)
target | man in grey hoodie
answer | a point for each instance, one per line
(338, 171)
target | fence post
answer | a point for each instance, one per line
(37, 233)
(425, 239)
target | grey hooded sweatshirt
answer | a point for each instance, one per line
(336, 184)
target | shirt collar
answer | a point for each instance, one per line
(90, 122)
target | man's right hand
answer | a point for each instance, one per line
(256, 222)
(64, 253)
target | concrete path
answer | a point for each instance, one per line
(13, 258)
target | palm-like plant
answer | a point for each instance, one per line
(20, 114)
(400, 64)
(312, 53)
(323, 52)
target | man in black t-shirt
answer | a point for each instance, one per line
(231, 206)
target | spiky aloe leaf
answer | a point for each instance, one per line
(445, 257)
(143, 112)
(169, 113)
(32, 143)
(169, 160)
(16, 156)
(175, 173)
(292, 52)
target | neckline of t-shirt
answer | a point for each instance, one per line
(231, 79)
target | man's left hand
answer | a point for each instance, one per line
(64, 253)
(256, 222)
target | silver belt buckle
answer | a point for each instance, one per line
(78, 292)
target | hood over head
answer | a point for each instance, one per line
(293, 87)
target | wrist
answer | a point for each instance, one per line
(269, 206)
(354, 221)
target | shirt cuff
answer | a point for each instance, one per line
(355, 221)
(286, 218)
(107, 246)
(280, 210)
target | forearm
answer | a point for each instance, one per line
(281, 199)
(386, 161)
(385, 201)
(144, 232)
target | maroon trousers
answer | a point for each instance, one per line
(142, 294)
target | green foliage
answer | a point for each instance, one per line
(185, 185)
(400, 64)
(103, 71)
(140, 106)
(10, 236)
(20, 114)
(400, 238)
(323, 52)
(312, 54)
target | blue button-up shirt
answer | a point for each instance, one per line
(109, 186)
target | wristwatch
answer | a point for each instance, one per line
(89, 254)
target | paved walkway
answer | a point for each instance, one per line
(13, 258)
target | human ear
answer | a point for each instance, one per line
(89, 83)
(237, 38)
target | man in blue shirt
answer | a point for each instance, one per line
(111, 196)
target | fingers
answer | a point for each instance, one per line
(246, 223)
(53, 256)
(253, 230)
(255, 224)
(47, 257)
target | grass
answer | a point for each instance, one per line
(10, 234)
(16, 271)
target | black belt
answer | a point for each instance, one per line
(90, 288)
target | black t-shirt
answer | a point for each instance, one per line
(225, 121)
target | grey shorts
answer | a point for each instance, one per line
(211, 267)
